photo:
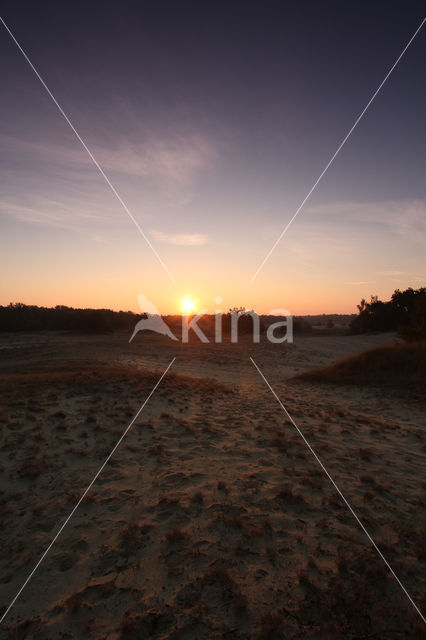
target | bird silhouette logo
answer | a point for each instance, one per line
(153, 320)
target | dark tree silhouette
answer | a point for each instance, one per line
(22, 317)
(405, 312)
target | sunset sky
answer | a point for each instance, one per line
(212, 121)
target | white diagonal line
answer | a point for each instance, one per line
(84, 494)
(333, 157)
(339, 492)
(92, 157)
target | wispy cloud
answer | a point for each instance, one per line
(186, 239)
(174, 158)
(404, 217)
(406, 277)
(392, 273)
(359, 282)
(72, 213)
(62, 187)
(49, 212)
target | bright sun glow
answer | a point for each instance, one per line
(187, 305)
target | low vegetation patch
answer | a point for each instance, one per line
(399, 365)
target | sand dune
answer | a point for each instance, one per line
(212, 520)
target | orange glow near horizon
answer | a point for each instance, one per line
(187, 305)
(298, 300)
(215, 287)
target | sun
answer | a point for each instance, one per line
(187, 305)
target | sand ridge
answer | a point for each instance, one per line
(212, 520)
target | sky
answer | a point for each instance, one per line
(212, 121)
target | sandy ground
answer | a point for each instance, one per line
(212, 519)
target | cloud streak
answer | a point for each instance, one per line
(181, 239)
(405, 217)
(174, 158)
(62, 188)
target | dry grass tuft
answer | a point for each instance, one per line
(236, 521)
(219, 575)
(401, 366)
(271, 628)
(198, 497)
(222, 487)
(132, 537)
(176, 535)
(74, 496)
(157, 450)
(74, 602)
(366, 453)
(31, 468)
(290, 497)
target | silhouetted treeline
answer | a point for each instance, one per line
(22, 317)
(301, 325)
(245, 323)
(405, 312)
(207, 323)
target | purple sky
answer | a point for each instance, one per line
(212, 121)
